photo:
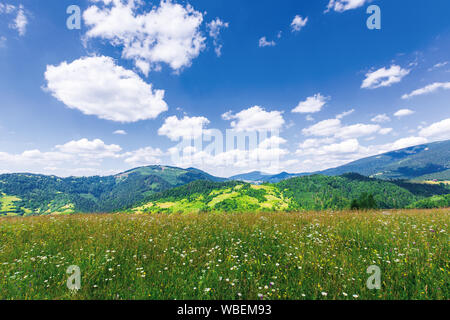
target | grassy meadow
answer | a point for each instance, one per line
(316, 255)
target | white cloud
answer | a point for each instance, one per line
(7, 8)
(346, 146)
(315, 143)
(407, 142)
(311, 104)
(439, 130)
(143, 157)
(255, 119)
(214, 28)
(385, 131)
(403, 113)
(344, 5)
(357, 130)
(2, 41)
(188, 127)
(78, 157)
(345, 114)
(85, 148)
(97, 86)
(323, 128)
(272, 142)
(298, 23)
(168, 33)
(264, 43)
(381, 118)
(438, 65)
(324, 154)
(120, 132)
(334, 128)
(384, 77)
(428, 89)
(267, 157)
(20, 22)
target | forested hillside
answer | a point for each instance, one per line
(24, 194)
(350, 191)
(168, 189)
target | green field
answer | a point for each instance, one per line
(317, 255)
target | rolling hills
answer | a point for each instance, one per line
(316, 192)
(22, 194)
(171, 189)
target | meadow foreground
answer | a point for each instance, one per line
(317, 255)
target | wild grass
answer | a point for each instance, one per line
(317, 255)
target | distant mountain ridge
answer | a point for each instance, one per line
(423, 162)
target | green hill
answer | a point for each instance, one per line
(24, 194)
(315, 192)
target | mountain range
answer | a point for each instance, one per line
(423, 162)
(165, 187)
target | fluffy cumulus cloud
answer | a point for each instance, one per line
(381, 118)
(143, 156)
(214, 28)
(439, 130)
(323, 128)
(85, 148)
(263, 42)
(403, 113)
(168, 33)
(428, 89)
(405, 143)
(255, 119)
(298, 23)
(357, 130)
(384, 77)
(335, 129)
(344, 5)
(187, 127)
(267, 155)
(20, 20)
(97, 86)
(120, 132)
(77, 157)
(311, 104)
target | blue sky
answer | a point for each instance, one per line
(138, 77)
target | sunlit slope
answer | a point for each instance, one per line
(297, 194)
(202, 196)
(25, 194)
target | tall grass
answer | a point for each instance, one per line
(321, 255)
